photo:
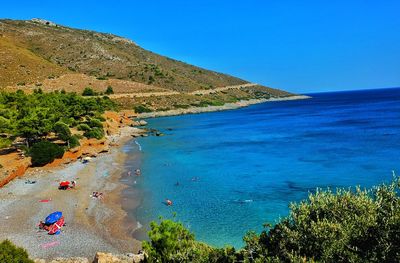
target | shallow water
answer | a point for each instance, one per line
(239, 169)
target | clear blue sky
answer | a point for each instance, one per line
(300, 46)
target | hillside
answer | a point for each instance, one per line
(38, 53)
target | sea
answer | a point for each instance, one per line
(230, 172)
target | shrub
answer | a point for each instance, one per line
(88, 92)
(73, 141)
(45, 152)
(83, 127)
(100, 118)
(95, 123)
(171, 242)
(9, 253)
(96, 132)
(62, 131)
(5, 142)
(141, 109)
(109, 90)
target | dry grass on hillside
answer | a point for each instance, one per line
(108, 56)
(76, 82)
(19, 66)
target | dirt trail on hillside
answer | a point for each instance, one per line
(210, 91)
(168, 93)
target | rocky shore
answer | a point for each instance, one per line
(226, 106)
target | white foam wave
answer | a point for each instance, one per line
(138, 144)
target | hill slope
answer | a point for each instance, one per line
(38, 53)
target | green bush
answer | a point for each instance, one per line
(73, 141)
(62, 130)
(171, 242)
(5, 142)
(346, 225)
(71, 122)
(95, 123)
(109, 90)
(88, 92)
(45, 152)
(141, 109)
(100, 117)
(5, 125)
(9, 253)
(83, 127)
(96, 132)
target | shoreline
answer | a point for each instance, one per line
(226, 106)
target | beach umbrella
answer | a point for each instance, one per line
(53, 217)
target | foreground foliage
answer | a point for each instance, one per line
(343, 226)
(9, 253)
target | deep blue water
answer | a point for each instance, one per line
(249, 164)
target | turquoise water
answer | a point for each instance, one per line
(239, 169)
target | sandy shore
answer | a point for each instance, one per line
(227, 106)
(92, 225)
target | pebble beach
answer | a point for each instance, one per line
(92, 224)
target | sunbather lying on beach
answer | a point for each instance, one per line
(97, 195)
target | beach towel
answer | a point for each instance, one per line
(51, 244)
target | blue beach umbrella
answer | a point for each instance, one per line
(53, 217)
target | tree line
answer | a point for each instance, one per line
(34, 116)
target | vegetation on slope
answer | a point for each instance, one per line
(108, 56)
(35, 117)
(345, 226)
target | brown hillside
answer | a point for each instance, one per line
(19, 65)
(109, 56)
(42, 54)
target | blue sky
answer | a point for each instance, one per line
(300, 46)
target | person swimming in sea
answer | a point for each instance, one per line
(137, 172)
(168, 202)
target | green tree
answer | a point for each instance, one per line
(109, 90)
(96, 132)
(88, 92)
(62, 130)
(9, 253)
(45, 152)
